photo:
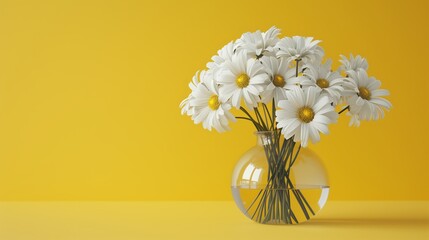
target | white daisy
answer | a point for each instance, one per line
(364, 96)
(326, 81)
(282, 78)
(299, 48)
(258, 44)
(354, 63)
(184, 105)
(242, 78)
(223, 55)
(304, 114)
(208, 109)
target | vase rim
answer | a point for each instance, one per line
(264, 132)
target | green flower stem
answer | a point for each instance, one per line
(298, 198)
(258, 116)
(274, 115)
(297, 67)
(344, 109)
(305, 201)
(257, 126)
(267, 112)
(293, 161)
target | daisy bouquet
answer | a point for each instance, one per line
(285, 87)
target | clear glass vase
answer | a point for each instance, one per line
(278, 182)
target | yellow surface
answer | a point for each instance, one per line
(206, 220)
(89, 95)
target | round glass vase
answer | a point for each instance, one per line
(278, 182)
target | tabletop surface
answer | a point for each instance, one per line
(207, 220)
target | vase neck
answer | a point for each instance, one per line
(265, 138)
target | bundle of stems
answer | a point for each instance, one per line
(273, 203)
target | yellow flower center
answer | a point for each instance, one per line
(214, 102)
(364, 93)
(242, 80)
(306, 114)
(279, 80)
(322, 83)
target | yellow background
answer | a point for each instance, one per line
(89, 95)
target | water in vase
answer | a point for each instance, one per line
(281, 206)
